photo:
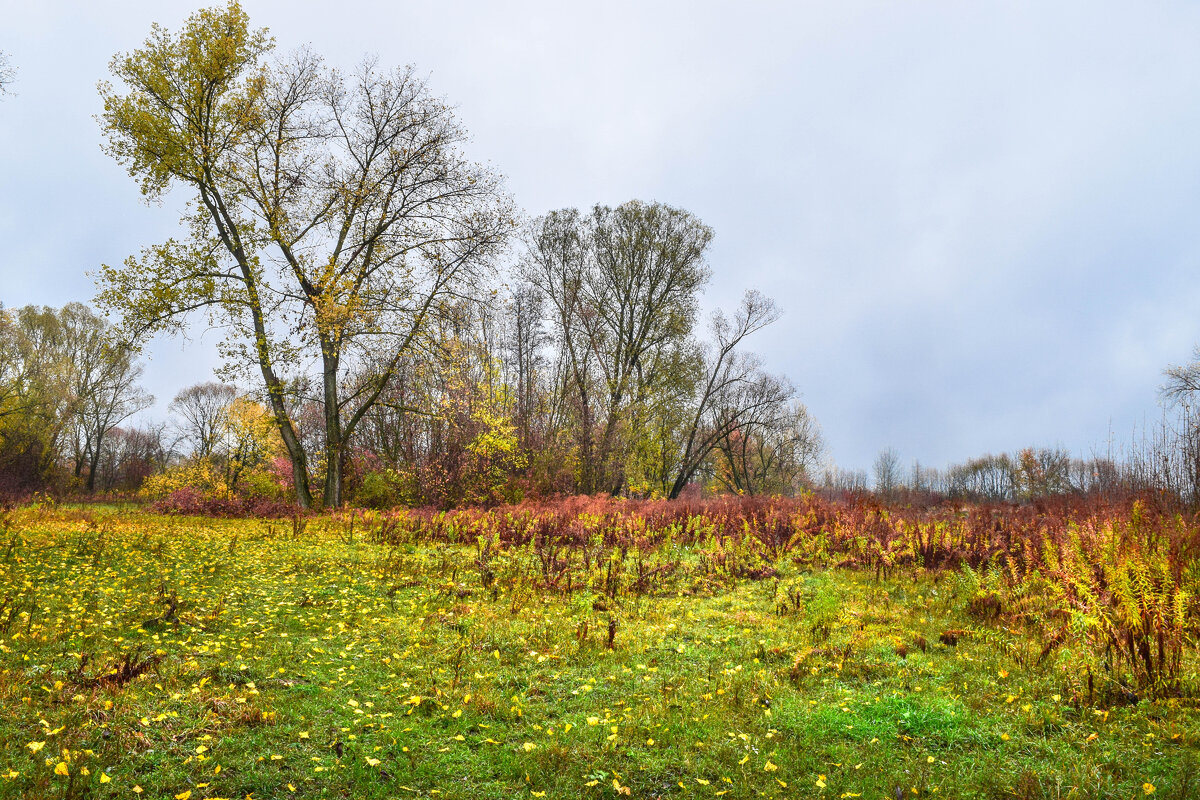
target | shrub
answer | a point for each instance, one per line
(201, 477)
(189, 501)
(199, 488)
(379, 490)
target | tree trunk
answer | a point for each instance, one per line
(300, 479)
(93, 465)
(611, 483)
(335, 455)
(290, 441)
(587, 471)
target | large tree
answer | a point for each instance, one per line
(621, 285)
(332, 216)
(734, 395)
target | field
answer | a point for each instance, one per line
(598, 650)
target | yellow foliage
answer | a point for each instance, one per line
(202, 475)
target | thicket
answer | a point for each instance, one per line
(1115, 587)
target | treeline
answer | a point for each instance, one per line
(355, 260)
(511, 396)
(586, 371)
(1164, 460)
(589, 373)
(66, 386)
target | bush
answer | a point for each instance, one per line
(379, 490)
(189, 501)
(260, 485)
(201, 477)
(200, 488)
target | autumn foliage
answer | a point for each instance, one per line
(1118, 581)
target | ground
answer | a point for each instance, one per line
(193, 658)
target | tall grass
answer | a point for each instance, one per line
(1120, 581)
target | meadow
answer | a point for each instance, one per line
(602, 649)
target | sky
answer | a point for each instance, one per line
(978, 218)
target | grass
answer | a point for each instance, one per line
(194, 658)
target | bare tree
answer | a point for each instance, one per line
(203, 411)
(1183, 380)
(735, 395)
(886, 471)
(526, 338)
(988, 477)
(774, 456)
(8, 74)
(836, 479)
(929, 480)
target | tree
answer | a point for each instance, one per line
(775, 457)
(1042, 471)
(8, 73)
(35, 401)
(203, 412)
(523, 343)
(622, 285)
(886, 471)
(837, 479)
(332, 216)
(1183, 380)
(103, 384)
(246, 438)
(735, 394)
(131, 455)
(65, 384)
(989, 477)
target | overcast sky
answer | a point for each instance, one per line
(979, 218)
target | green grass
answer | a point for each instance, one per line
(327, 668)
